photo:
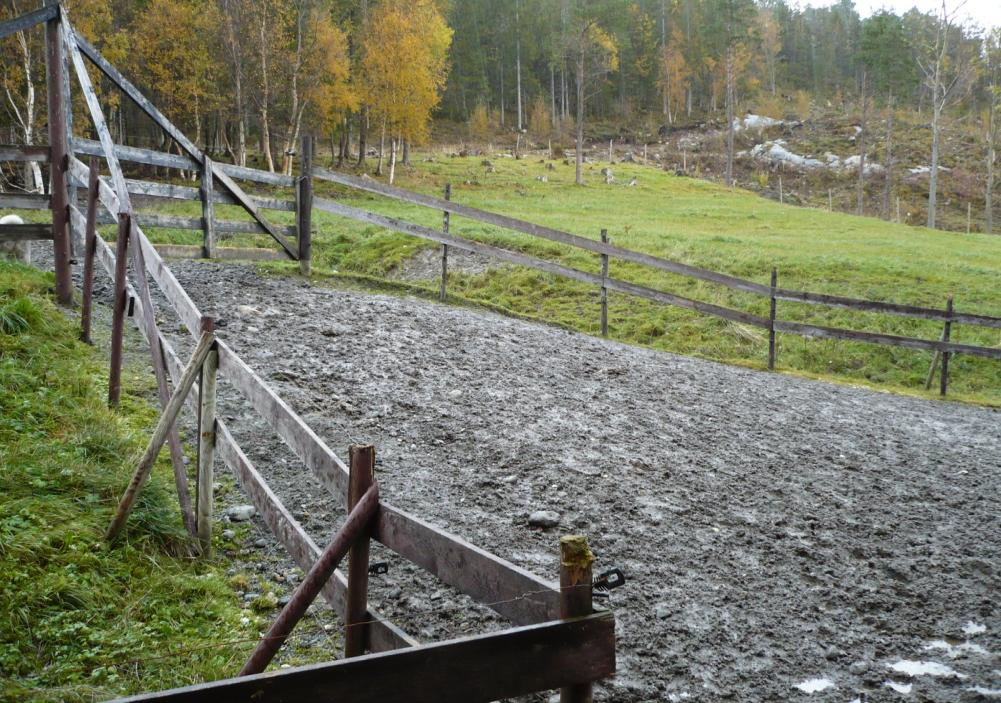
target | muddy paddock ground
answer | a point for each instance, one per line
(784, 539)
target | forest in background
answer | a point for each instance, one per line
(246, 78)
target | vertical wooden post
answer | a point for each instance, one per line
(304, 208)
(969, 217)
(781, 193)
(830, 200)
(946, 332)
(118, 311)
(444, 247)
(609, 151)
(208, 210)
(206, 441)
(604, 290)
(898, 210)
(771, 321)
(575, 598)
(361, 478)
(90, 250)
(59, 163)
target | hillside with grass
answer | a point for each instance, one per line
(688, 220)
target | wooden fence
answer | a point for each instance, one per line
(559, 640)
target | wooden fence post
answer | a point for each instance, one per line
(118, 311)
(604, 290)
(575, 598)
(444, 247)
(208, 210)
(206, 441)
(946, 332)
(361, 478)
(90, 251)
(167, 419)
(771, 321)
(304, 208)
(58, 160)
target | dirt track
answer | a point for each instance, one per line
(775, 530)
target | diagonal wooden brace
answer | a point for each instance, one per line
(354, 528)
(166, 125)
(170, 413)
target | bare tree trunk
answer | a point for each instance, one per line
(265, 99)
(362, 135)
(517, 54)
(26, 115)
(989, 188)
(406, 152)
(392, 160)
(382, 149)
(936, 129)
(552, 96)
(888, 166)
(729, 114)
(860, 207)
(579, 155)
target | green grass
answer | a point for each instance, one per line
(696, 222)
(80, 620)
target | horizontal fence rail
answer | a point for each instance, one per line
(142, 188)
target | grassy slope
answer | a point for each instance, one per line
(703, 224)
(80, 620)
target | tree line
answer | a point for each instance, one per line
(247, 76)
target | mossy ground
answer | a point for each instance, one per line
(82, 620)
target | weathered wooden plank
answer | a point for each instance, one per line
(805, 330)
(532, 262)
(25, 201)
(150, 189)
(26, 233)
(486, 578)
(185, 251)
(306, 444)
(474, 669)
(152, 219)
(28, 20)
(256, 175)
(97, 117)
(59, 110)
(888, 308)
(298, 543)
(136, 154)
(17, 152)
(540, 231)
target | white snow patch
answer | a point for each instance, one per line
(777, 151)
(758, 122)
(957, 650)
(815, 685)
(904, 688)
(925, 668)
(986, 692)
(971, 628)
(927, 169)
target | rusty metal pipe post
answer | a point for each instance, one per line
(361, 478)
(118, 312)
(90, 251)
(319, 574)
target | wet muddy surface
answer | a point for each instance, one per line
(784, 539)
